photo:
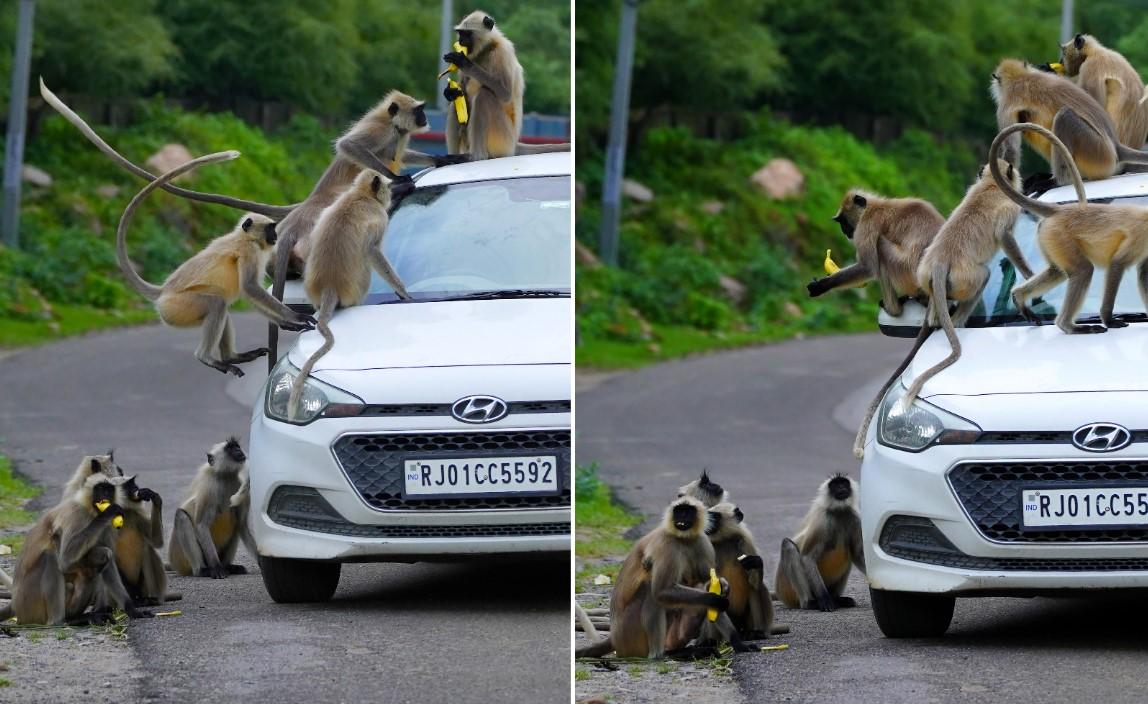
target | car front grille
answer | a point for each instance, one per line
(374, 465)
(990, 494)
(306, 509)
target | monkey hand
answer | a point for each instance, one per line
(301, 323)
(449, 159)
(751, 562)
(452, 93)
(401, 189)
(219, 572)
(458, 59)
(816, 287)
(148, 495)
(112, 512)
(717, 601)
(133, 612)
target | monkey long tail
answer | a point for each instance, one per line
(940, 301)
(587, 624)
(146, 289)
(863, 431)
(326, 310)
(1031, 204)
(524, 148)
(275, 212)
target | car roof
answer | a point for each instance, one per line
(552, 164)
(1122, 186)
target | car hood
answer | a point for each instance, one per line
(1036, 359)
(445, 334)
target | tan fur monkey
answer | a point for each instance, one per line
(201, 290)
(208, 525)
(651, 586)
(740, 564)
(346, 246)
(92, 464)
(1108, 77)
(138, 542)
(704, 489)
(953, 268)
(68, 564)
(890, 235)
(815, 564)
(1024, 93)
(1075, 238)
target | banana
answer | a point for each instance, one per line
(714, 588)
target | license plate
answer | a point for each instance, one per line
(1114, 506)
(459, 476)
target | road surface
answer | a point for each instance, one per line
(772, 422)
(477, 632)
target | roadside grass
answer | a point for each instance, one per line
(68, 321)
(14, 493)
(600, 526)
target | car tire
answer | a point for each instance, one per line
(912, 614)
(290, 581)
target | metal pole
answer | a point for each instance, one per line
(17, 119)
(616, 149)
(445, 41)
(1066, 32)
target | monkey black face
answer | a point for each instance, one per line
(132, 489)
(466, 38)
(421, 115)
(269, 234)
(847, 228)
(234, 451)
(104, 491)
(840, 488)
(708, 487)
(738, 515)
(684, 516)
(1078, 42)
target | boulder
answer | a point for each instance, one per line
(734, 289)
(167, 158)
(779, 179)
(636, 191)
(108, 191)
(36, 176)
(585, 257)
(713, 207)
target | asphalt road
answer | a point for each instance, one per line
(478, 632)
(770, 423)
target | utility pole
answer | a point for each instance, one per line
(1066, 32)
(616, 149)
(17, 120)
(445, 41)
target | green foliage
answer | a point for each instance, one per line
(599, 519)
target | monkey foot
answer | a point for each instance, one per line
(1087, 329)
(845, 602)
(140, 613)
(236, 569)
(214, 573)
(1115, 323)
(249, 355)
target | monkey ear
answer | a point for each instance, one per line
(738, 514)
(1010, 171)
(488, 22)
(95, 466)
(393, 109)
(980, 173)
(1078, 41)
(247, 224)
(210, 459)
(860, 201)
(376, 184)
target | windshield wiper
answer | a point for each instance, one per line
(1123, 317)
(508, 293)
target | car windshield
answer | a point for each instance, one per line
(996, 306)
(507, 238)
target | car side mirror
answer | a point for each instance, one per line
(907, 324)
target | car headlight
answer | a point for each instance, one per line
(920, 425)
(318, 399)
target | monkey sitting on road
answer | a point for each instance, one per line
(202, 289)
(138, 542)
(345, 246)
(891, 235)
(651, 590)
(954, 268)
(208, 526)
(92, 464)
(815, 564)
(68, 563)
(705, 490)
(1108, 77)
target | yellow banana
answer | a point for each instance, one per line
(118, 522)
(831, 267)
(1059, 68)
(460, 110)
(714, 588)
(102, 506)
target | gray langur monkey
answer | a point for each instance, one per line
(1075, 238)
(1108, 77)
(346, 246)
(68, 562)
(138, 542)
(953, 267)
(739, 563)
(651, 590)
(92, 464)
(815, 564)
(208, 526)
(890, 235)
(704, 489)
(201, 290)
(493, 85)
(1024, 93)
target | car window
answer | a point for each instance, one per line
(996, 306)
(500, 235)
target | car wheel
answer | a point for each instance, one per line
(912, 614)
(299, 581)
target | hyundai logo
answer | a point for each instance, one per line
(1101, 437)
(479, 409)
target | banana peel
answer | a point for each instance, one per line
(714, 588)
(460, 110)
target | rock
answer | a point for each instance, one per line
(713, 207)
(601, 580)
(585, 257)
(780, 179)
(108, 191)
(167, 158)
(734, 289)
(633, 189)
(5, 550)
(36, 176)
(793, 309)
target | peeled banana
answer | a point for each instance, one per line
(714, 588)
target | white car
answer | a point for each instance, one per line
(436, 428)
(1023, 468)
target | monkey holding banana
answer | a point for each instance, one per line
(891, 235)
